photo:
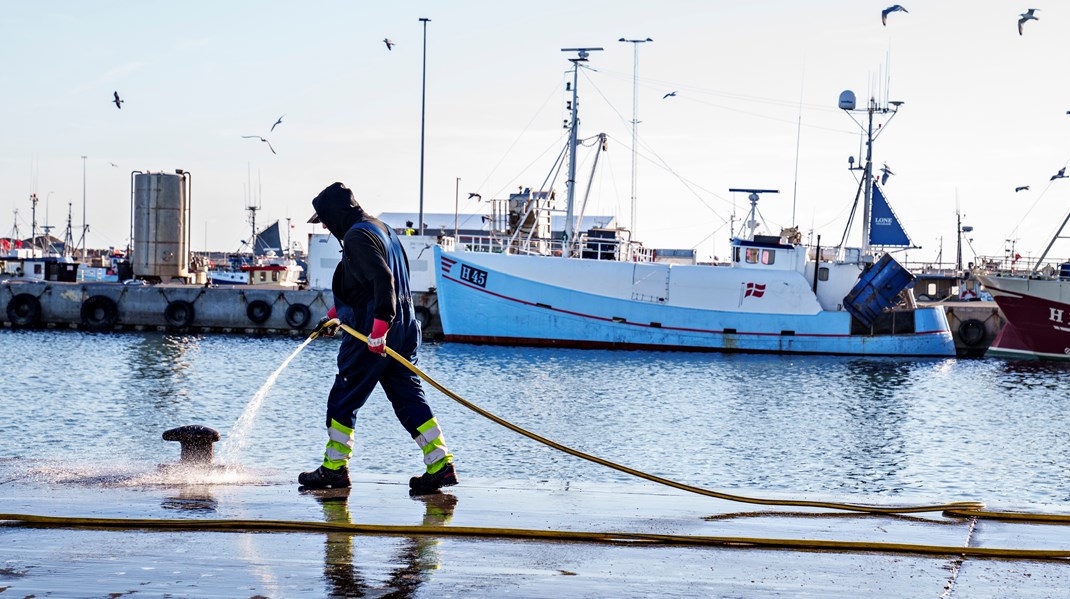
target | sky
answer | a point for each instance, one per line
(985, 110)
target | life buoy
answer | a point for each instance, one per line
(24, 310)
(972, 332)
(258, 311)
(298, 315)
(99, 313)
(179, 313)
(968, 294)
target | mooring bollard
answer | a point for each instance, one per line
(196, 441)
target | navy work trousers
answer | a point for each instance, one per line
(359, 369)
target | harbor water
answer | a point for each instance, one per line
(87, 406)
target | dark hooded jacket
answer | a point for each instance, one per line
(363, 279)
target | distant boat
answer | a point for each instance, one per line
(776, 295)
(1037, 309)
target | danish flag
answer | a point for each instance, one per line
(754, 289)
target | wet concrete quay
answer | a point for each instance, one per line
(95, 562)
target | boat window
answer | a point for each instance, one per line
(931, 289)
(752, 255)
(263, 276)
(735, 252)
(823, 273)
(274, 276)
(768, 256)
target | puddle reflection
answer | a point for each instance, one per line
(415, 559)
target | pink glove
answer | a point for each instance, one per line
(377, 338)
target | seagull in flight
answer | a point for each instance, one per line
(1059, 175)
(118, 102)
(885, 172)
(891, 9)
(670, 94)
(261, 139)
(1027, 16)
(389, 44)
(276, 123)
(475, 195)
(113, 164)
(1021, 188)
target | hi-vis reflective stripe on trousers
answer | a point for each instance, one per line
(339, 446)
(433, 444)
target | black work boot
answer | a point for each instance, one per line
(325, 478)
(429, 483)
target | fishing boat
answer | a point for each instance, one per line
(1037, 308)
(776, 295)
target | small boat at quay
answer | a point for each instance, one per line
(1037, 308)
(777, 294)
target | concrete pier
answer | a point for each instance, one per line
(176, 307)
(96, 561)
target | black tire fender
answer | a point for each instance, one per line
(24, 310)
(423, 315)
(179, 313)
(972, 332)
(258, 311)
(298, 315)
(99, 313)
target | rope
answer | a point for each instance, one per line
(524, 533)
(868, 509)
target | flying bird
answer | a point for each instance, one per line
(261, 139)
(1027, 16)
(1059, 175)
(891, 9)
(1021, 188)
(118, 102)
(389, 44)
(113, 164)
(276, 123)
(475, 195)
(885, 172)
(672, 94)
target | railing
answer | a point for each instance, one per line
(586, 247)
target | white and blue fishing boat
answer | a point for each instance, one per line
(777, 295)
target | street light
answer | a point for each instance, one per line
(635, 117)
(423, 113)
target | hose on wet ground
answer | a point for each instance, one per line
(869, 509)
(629, 538)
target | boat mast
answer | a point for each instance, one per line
(847, 104)
(573, 134)
(752, 196)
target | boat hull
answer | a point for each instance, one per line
(481, 304)
(1038, 317)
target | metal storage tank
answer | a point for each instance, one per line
(161, 242)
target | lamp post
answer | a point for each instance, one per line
(456, 203)
(423, 116)
(635, 117)
(85, 227)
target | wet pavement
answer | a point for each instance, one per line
(66, 562)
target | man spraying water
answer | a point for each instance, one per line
(371, 293)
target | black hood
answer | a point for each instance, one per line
(337, 208)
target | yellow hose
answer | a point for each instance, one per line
(869, 509)
(523, 533)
